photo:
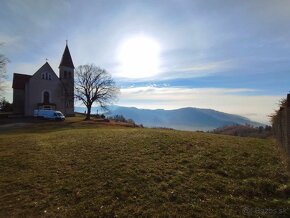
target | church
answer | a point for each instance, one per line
(44, 89)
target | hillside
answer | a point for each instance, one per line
(79, 169)
(245, 131)
(182, 119)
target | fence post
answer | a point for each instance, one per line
(288, 123)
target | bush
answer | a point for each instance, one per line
(119, 118)
(5, 106)
(99, 116)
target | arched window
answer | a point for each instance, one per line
(42, 76)
(46, 97)
(65, 74)
(69, 74)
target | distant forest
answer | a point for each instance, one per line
(245, 131)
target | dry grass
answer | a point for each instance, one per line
(79, 169)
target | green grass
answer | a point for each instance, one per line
(76, 169)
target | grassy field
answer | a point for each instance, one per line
(84, 169)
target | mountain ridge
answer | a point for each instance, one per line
(187, 118)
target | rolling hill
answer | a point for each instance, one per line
(78, 168)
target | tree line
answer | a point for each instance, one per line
(245, 131)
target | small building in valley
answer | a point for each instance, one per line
(44, 89)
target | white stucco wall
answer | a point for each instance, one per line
(36, 87)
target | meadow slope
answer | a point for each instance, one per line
(85, 170)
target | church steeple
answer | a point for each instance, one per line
(66, 76)
(66, 60)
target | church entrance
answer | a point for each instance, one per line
(46, 102)
(46, 106)
(46, 97)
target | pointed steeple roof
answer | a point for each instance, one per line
(66, 60)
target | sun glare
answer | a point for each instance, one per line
(139, 57)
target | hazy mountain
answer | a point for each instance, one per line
(183, 118)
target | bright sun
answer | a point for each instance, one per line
(139, 57)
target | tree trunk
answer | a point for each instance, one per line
(88, 117)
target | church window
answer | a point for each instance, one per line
(46, 97)
(69, 74)
(46, 76)
(65, 74)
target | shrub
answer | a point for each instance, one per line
(5, 106)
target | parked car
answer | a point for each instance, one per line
(49, 114)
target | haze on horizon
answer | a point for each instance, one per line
(231, 56)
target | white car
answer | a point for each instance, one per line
(49, 114)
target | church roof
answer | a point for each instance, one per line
(45, 67)
(66, 60)
(19, 80)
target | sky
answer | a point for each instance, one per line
(231, 56)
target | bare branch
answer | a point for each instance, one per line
(3, 63)
(94, 85)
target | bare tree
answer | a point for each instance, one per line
(3, 62)
(94, 85)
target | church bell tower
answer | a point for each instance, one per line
(66, 75)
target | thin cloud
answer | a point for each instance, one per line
(193, 71)
(214, 66)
